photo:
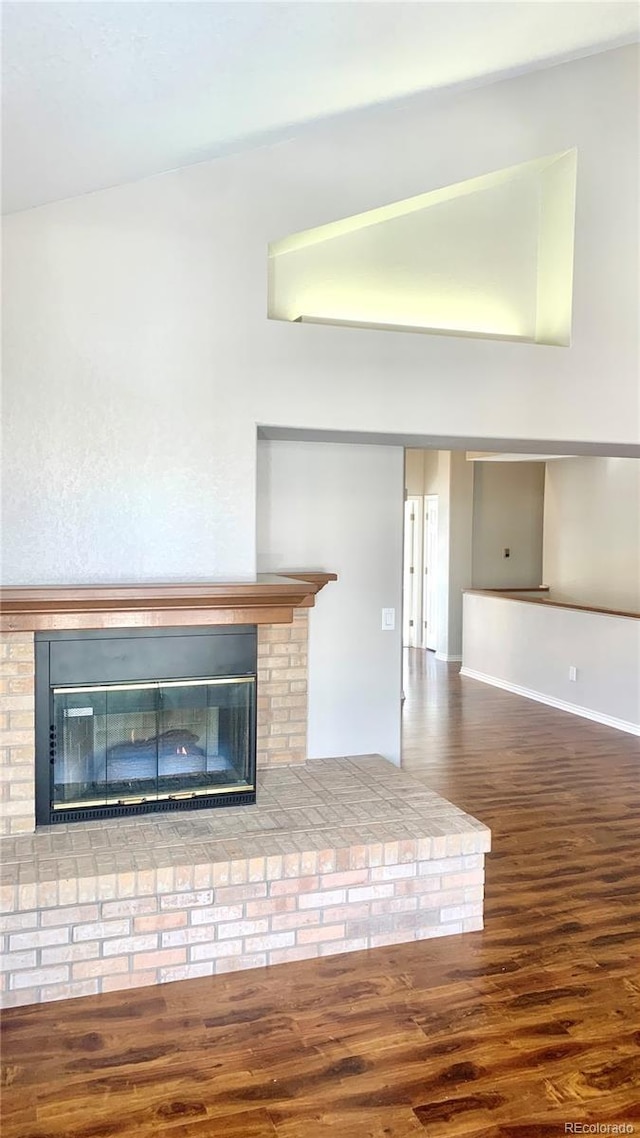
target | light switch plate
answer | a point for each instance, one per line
(388, 620)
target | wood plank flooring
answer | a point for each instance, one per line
(514, 1031)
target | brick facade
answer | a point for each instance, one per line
(189, 921)
(17, 749)
(282, 691)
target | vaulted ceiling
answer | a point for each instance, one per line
(97, 94)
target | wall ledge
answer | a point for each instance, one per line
(541, 596)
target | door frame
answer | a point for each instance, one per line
(430, 573)
(412, 572)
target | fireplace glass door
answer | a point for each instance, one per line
(135, 743)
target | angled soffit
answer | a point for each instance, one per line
(490, 257)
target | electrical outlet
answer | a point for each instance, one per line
(506, 552)
(573, 674)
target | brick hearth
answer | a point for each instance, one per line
(337, 855)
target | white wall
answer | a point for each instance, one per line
(421, 471)
(414, 471)
(138, 358)
(592, 530)
(508, 500)
(460, 545)
(437, 477)
(430, 466)
(530, 647)
(556, 251)
(339, 508)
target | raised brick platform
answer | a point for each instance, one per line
(338, 855)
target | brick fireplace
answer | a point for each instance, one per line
(337, 855)
(282, 665)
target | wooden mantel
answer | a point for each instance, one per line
(268, 599)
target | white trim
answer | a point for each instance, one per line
(561, 704)
(448, 659)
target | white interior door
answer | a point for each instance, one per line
(430, 574)
(412, 575)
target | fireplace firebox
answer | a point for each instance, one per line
(143, 720)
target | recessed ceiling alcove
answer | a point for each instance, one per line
(490, 257)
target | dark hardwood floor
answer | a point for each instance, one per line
(516, 1030)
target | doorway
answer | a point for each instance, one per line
(420, 569)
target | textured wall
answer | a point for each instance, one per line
(138, 357)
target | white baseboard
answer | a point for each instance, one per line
(448, 659)
(561, 704)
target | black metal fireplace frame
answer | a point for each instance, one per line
(121, 655)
